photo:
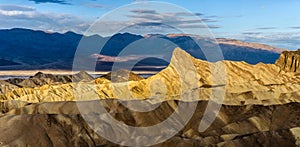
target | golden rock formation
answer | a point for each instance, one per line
(264, 84)
(289, 61)
(260, 107)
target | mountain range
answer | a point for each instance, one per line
(33, 49)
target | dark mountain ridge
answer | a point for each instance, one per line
(43, 50)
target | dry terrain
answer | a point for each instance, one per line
(260, 105)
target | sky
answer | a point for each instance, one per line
(273, 22)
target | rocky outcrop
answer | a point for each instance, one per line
(247, 84)
(40, 79)
(260, 107)
(82, 76)
(5, 87)
(289, 61)
(122, 75)
(62, 124)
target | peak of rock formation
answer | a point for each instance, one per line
(260, 107)
(82, 75)
(122, 75)
(244, 84)
(289, 61)
(6, 86)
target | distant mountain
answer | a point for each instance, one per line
(249, 44)
(31, 49)
(37, 48)
(118, 42)
(4, 62)
(232, 49)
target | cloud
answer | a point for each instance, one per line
(63, 2)
(150, 24)
(199, 14)
(212, 16)
(152, 21)
(295, 27)
(16, 8)
(214, 26)
(266, 28)
(287, 40)
(28, 17)
(177, 19)
(143, 11)
(180, 24)
(251, 33)
(98, 6)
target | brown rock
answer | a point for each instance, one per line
(260, 107)
(289, 61)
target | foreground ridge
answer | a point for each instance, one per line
(264, 84)
(61, 124)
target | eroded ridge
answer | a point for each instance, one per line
(264, 84)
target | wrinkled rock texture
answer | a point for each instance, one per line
(260, 107)
(61, 124)
(289, 61)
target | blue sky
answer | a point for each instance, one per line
(273, 22)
